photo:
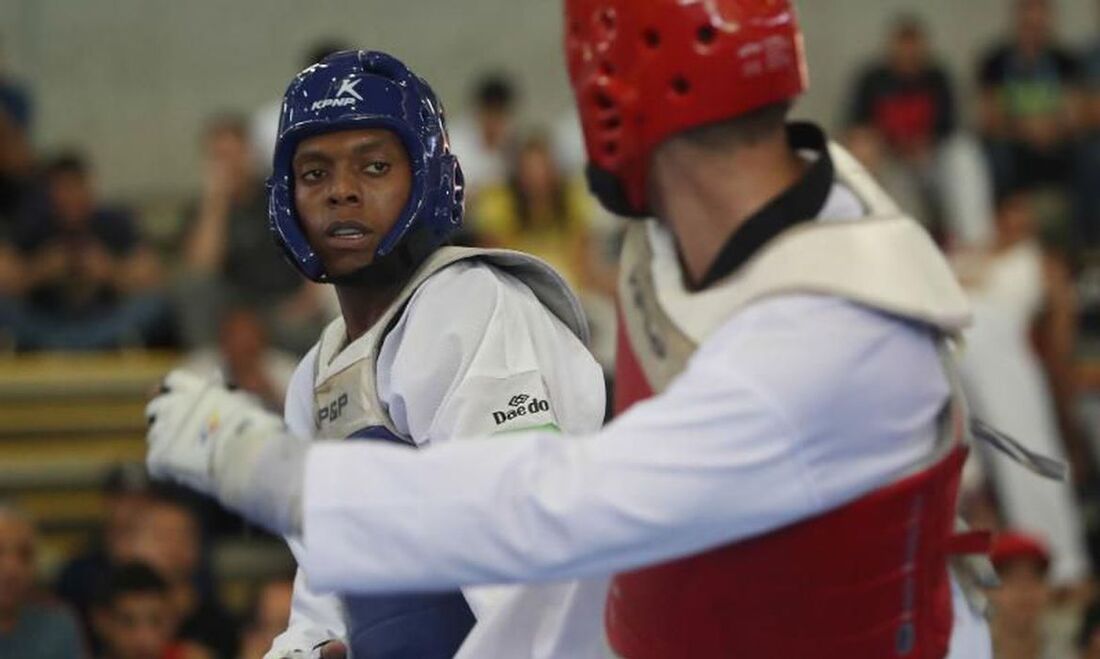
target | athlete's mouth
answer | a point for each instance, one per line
(347, 230)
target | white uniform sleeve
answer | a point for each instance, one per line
(477, 354)
(314, 617)
(762, 429)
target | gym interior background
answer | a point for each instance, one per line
(138, 114)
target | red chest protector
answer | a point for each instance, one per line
(869, 579)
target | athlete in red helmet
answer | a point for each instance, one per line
(791, 432)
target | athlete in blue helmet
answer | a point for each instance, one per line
(433, 343)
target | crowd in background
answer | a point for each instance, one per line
(1003, 169)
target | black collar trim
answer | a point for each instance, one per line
(800, 203)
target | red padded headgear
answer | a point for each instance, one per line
(644, 70)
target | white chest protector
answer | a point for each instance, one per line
(884, 261)
(345, 392)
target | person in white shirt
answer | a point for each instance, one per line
(433, 343)
(482, 139)
(781, 480)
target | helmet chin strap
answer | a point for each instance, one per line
(608, 189)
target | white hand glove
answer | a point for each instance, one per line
(225, 444)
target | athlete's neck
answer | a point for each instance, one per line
(362, 306)
(704, 195)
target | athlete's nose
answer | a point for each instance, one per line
(342, 189)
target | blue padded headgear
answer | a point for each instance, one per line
(365, 89)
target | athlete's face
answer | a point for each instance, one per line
(349, 188)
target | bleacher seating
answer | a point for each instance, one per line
(65, 421)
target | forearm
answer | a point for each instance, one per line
(206, 247)
(260, 476)
(314, 617)
(539, 507)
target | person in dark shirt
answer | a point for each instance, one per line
(86, 279)
(907, 98)
(1030, 96)
(15, 100)
(902, 111)
(1086, 180)
(16, 157)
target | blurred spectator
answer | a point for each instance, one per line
(29, 629)
(16, 171)
(268, 618)
(1086, 185)
(482, 141)
(86, 279)
(16, 176)
(1088, 639)
(125, 496)
(1023, 599)
(264, 123)
(16, 159)
(245, 357)
(15, 100)
(902, 124)
(1087, 164)
(133, 614)
(906, 104)
(1029, 99)
(1090, 78)
(905, 98)
(168, 538)
(1017, 292)
(541, 212)
(229, 253)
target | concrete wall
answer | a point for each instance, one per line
(131, 80)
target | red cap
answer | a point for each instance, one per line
(644, 70)
(1012, 546)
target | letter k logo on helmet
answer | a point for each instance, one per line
(348, 87)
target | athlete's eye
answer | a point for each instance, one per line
(377, 168)
(312, 175)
